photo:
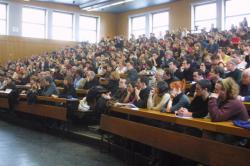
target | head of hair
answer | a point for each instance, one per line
(162, 87)
(177, 85)
(144, 79)
(115, 75)
(219, 70)
(168, 71)
(230, 86)
(205, 84)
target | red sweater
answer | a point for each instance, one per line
(232, 109)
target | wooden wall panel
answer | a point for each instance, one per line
(12, 47)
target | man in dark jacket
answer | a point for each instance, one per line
(234, 72)
(142, 92)
(132, 74)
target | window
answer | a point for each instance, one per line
(33, 22)
(236, 10)
(138, 25)
(88, 29)
(160, 23)
(3, 19)
(205, 16)
(62, 26)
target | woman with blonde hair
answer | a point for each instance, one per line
(223, 105)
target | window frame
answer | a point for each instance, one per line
(193, 13)
(148, 22)
(6, 18)
(45, 21)
(96, 27)
(68, 27)
(231, 16)
(154, 27)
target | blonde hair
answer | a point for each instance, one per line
(115, 75)
(230, 86)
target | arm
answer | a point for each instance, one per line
(150, 102)
(163, 101)
(182, 103)
(224, 113)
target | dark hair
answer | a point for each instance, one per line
(199, 71)
(168, 71)
(219, 70)
(162, 87)
(144, 79)
(205, 84)
(175, 62)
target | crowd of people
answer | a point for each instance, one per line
(215, 63)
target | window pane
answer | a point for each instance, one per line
(160, 19)
(33, 30)
(33, 22)
(62, 19)
(137, 33)
(237, 7)
(236, 20)
(61, 33)
(88, 36)
(2, 27)
(138, 23)
(205, 24)
(32, 15)
(3, 11)
(159, 32)
(206, 11)
(88, 23)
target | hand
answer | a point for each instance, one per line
(240, 98)
(184, 112)
(213, 95)
(55, 96)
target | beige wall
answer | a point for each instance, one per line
(179, 15)
(12, 47)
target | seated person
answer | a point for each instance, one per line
(234, 72)
(121, 92)
(178, 98)
(224, 105)
(142, 92)
(79, 81)
(68, 88)
(169, 76)
(113, 83)
(199, 105)
(245, 86)
(158, 96)
(197, 76)
(91, 80)
(132, 74)
(217, 73)
(48, 88)
(130, 97)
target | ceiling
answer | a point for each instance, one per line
(133, 5)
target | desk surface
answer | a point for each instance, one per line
(200, 123)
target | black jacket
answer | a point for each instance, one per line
(199, 107)
(142, 103)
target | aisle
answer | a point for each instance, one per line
(24, 147)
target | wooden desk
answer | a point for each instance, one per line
(205, 151)
(200, 123)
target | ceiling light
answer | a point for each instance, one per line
(106, 6)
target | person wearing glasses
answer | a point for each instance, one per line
(199, 105)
